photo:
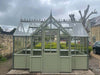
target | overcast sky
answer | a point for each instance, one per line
(12, 10)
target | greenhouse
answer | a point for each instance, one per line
(50, 46)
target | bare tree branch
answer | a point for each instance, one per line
(91, 14)
(84, 17)
(86, 11)
(80, 14)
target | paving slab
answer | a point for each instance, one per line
(74, 72)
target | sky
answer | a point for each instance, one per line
(11, 11)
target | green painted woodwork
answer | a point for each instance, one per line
(65, 64)
(50, 63)
(49, 60)
(28, 61)
(21, 61)
(35, 64)
(79, 62)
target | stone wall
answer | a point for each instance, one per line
(6, 42)
(95, 32)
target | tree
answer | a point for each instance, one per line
(1, 30)
(72, 17)
(12, 32)
(85, 16)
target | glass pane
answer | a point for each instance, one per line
(78, 45)
(50, 39)
(37, 42)
(64, 45)
(18, 44)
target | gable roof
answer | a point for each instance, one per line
(20, 31)
(71, 29)
(78, 30)
(51, 20)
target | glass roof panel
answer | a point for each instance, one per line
(73, 29)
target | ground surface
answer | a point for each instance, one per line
(94, 63)
(5, 67)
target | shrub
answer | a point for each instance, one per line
(1, 46)
(90, 49)
(38, 46)
(72, 47)
(63, 45)
(72, 44)
(53, 45)
(2, 58)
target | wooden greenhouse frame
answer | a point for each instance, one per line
(49, 47)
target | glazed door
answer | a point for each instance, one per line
(50, 53)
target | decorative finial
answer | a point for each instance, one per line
(21, 19)
(51, 12)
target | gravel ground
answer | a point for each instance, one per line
(94, 65)
(5, 67)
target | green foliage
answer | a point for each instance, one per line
(72, 44)
(1, 46)
(90, 49)
(12, 32)
(53, 45)
(62, 46)
(1, 30)
(38, 46)
(2, 58)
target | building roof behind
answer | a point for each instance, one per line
(95, 21)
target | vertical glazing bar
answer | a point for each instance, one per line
(80, 45)
(83, 45)
(43, 47)
(43, 41)
(58, 42)
(13, 52)
(50, 40)
(75, 46)
(87, 53)
(69, 46)
(31, 45)
(25, 44)
(87, 45)
(17, 44)
(24, 41)
(58, 48)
